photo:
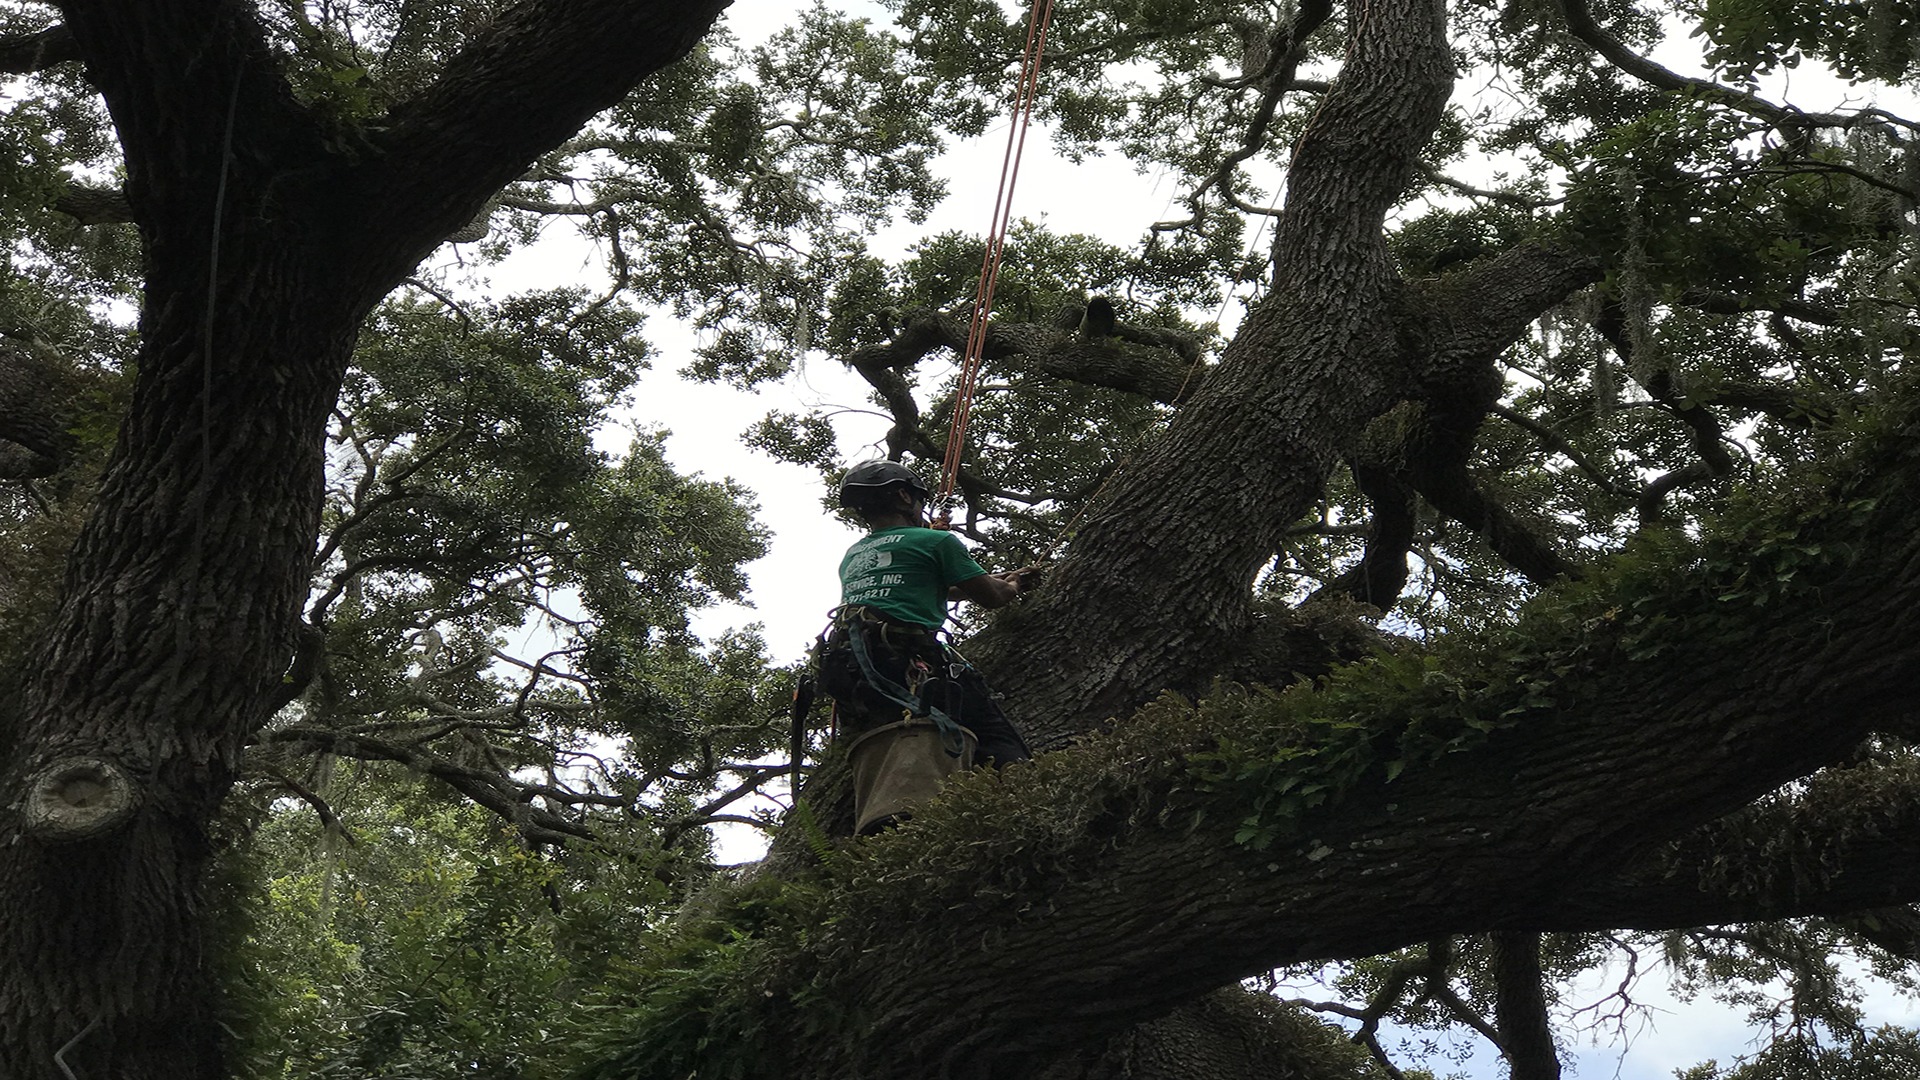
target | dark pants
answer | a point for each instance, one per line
(913, 659)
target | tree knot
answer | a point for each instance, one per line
(78, 798)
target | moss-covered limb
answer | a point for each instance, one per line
(1231, 1032)
(1479, 785)
(1844, 843)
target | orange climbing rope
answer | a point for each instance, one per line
(1038, 18)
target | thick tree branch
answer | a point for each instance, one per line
(1893, 930)
(1847, 843)
(90, 205)
(1431, 444)
(1381, 573)
(1155, 363)
(1719, 303)
(1152, 373)
(1685, 711)
(1158, 363)
(1453, 492)
(511, 800)
(1520, 1007)
(1505, 296)
(1272, 406)
(220, 97)
(25, 54)
(307, 658)
(19, 463)
(881, 370)
(1581, 22)
(1436, 455)
(539, 73)
(1460, 389)
(1785, 404)
(1393, 988)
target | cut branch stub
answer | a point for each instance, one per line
(78, 798)
(92, 205)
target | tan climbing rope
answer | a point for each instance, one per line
(1038, 18)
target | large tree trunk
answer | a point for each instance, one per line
(178, 621)
(268, 240)
(1339, 340)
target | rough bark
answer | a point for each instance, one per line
(269, 236)
(1193, 520)
(1520, 1008)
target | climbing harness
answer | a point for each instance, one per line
(867, 662)
(1038, 19)
(853, 627)
(913, 699)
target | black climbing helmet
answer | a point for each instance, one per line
(865, 481)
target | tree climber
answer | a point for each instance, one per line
(883, 660)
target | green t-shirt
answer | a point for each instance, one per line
(904, 573)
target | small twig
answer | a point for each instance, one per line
(328, 819)
(1511, 198)
(466, 322)
(1557, 442)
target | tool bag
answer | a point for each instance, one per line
(898, 766)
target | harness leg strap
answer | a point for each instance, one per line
(951, 740)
